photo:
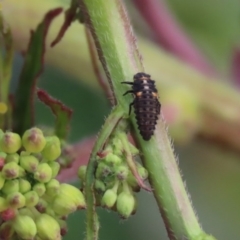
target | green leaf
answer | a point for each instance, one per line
(63, 113)
(32, 68)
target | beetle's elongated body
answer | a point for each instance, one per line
(146, 104)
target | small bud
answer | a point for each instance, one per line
(132, 182)
(125, 204)
(10, 142)
(52, 187)
(39, 188)
(3, 204)
(52, 149)
(29, 163)
(103, 170)
(2, 180)
(74, 194)
(62, 206)
(55, 166)
(68, 200)
(48, 227)
(25, 227)
(82, 172)
(31, 199)
(27, 212)
(6, 230)
(11, 186)
(10, 170)
(22, 172)
(113, 159)
(43, 173)
(42, 206)
(109, 198)
(142, 172)
(99, 186)
(16, 200)
(50, 211)
(8, 214)
(14, 157)
(121, 172)
(117, 146)
(33, 140)
(24, 185)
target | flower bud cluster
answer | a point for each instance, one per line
(114, 182)
(33, 204)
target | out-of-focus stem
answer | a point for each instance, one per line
(170, 35)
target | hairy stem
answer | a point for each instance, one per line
(107, 129)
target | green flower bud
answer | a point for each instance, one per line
(68, 200)
(82, 172)
(117, 146)
(33, 140)
(11, 186)
(121, 172)
(14, 157)
(22, 172)
(99, 186)
(62, 206)
(6, 230)
(55, 166)
(16, 200)
(52, 187)
(39, 188)
(3, 204)
(103, 170)
(24, 185)
(125, 204)
(48, 227)
(74, 194)
(31, 199)
(29, 163)
(142, 172)
(43, 173)
(25, 227)
(42, 205)
(2, 180)
(50, 211)
(109, 198)
(113, 159)
(27, 212)
(52, 149)
(10, 142)
(10, 170)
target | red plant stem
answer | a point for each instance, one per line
(170, 35)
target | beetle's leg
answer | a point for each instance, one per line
(129, 91)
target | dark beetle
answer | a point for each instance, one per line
(146, 104)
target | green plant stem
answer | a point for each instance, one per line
(116, 48)
(107, 129)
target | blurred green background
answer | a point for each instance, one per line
(212, 174)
